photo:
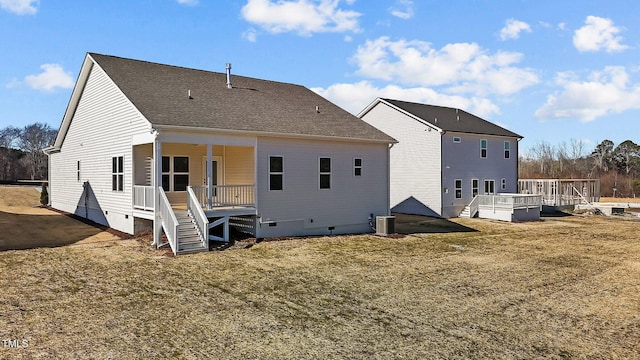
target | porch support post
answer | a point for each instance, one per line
(157, 182)
(209, 178)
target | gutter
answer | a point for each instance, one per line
(271, 134)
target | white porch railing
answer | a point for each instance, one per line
(226, 195)
(169, 220)
(143, 197)
(473, 206)
(510, 201)
(195, 210)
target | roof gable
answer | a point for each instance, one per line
(160, 93)
(449, 119)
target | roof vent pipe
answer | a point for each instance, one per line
(228, 67)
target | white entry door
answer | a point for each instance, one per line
(489, 187)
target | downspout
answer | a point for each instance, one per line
(156, 181)
(388, 179)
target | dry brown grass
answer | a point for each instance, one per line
(619, 200)
(560, 288)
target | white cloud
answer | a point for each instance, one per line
(188, 2)
(20, 7)
(406, 12)
(457, 67)
(605, 92)
(304, 17)
(250, 35)
(513, 28)
(52, 76)
(598, 34)
(355, 97)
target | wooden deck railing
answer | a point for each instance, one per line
(226, 195)
(510, 201)
(194, 208)
(169, 220)
(143, 197)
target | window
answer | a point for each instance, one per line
(276, 172)
(489, 187)
(180, 173)
(457, 139)
(175, 173)
(483, 148)
(325, 173)
(117, 173)
(507, 147)
(474, 187)
(78, 170)
(166, 173)
(458, 188)
(357, 167)
(503, 184)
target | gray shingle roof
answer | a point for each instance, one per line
(451, 119)
(159, 92)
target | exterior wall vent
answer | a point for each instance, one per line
(228, 67)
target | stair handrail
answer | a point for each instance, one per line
(195, 210)
(169, 220)
(473, 206)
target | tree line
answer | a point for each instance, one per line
(21, 155)
(617, 167)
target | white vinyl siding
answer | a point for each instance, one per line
(102, 128)
(416, 160)
(303, 208)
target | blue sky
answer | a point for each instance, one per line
(552, 71)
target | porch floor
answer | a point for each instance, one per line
(221, 211)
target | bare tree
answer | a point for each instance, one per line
(34, 138)
(602, 155)
(8, 155)
(627, 155)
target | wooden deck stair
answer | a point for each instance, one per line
(188, 240)
(466, 212)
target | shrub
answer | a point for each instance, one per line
(44, 195)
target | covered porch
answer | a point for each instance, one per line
(194, 191)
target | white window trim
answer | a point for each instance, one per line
(457, 139)
(503, 183)
(477, 188)
(275, 172)
(484, 186)
(507, 148)
(78, 170)
(325, 173)
(357, 167)
(117, 173)
(456, 188)
(171, 173)
(485, 148)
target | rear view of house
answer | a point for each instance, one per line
(444, 156)
(192, 153)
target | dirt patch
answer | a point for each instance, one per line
(26, 225)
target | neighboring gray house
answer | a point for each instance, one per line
(190, 152)
(444, 156)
